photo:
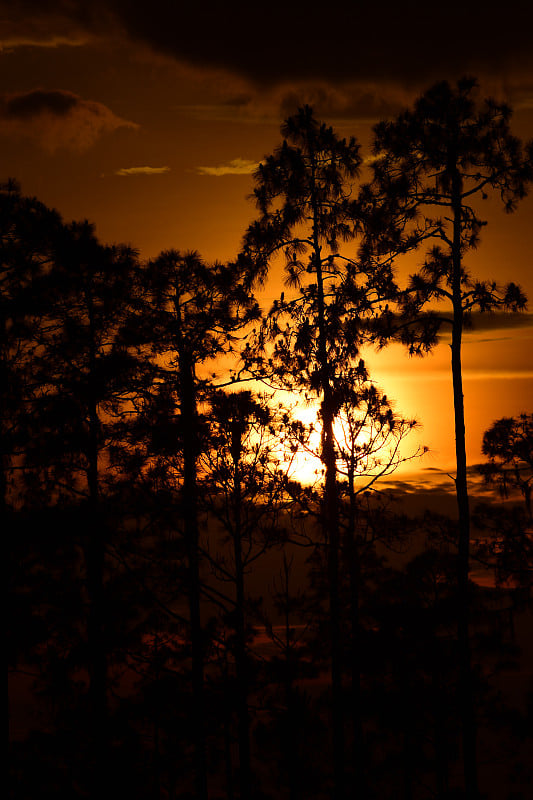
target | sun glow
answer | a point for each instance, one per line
(304, 464)
(366, 448)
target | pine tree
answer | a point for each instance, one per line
(68, 296)
(27, 232)
(194, 315)
(310, 341)
(430, 166)
(243, 490)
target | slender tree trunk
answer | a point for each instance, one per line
(331, 528)
(227, 706)
(241, 667)
(408, 759)
(190, 515)
(95, 588)
(466, 697)
(358, 780)
(157, 722)
(5, 448)
(291, 753)
(440, 728)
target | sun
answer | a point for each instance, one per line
(366, 446)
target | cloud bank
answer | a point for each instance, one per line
(407, 44)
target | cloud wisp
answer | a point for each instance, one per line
(128, 171)
(48, 25)
(237, 166)
(469, 374)
(56, 119)
(500, 321)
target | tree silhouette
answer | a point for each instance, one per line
(508, 444)
(243, 489)
(86, 374)
(368, 435)
(302, 196)
(66, 295)
(306, 212)
(197, 311)
(293, 719)
(431, 163)
(27, 233)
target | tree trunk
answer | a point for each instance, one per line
(466, 698)
(331, 530)
(291, 750)
(96, 544)
(358, 780)
(440, 727)
(190, 515)
(228, 713)
(241, 667)
(330, 513)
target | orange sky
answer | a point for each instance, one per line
(148, 122)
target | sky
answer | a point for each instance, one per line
(149, 119)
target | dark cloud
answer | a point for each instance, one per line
(478, 323)
(271, 43)
(501, 321)
(434, 489)
(57, 119)
(409, 44)
(38, 101)
(351, 101)
(484, 327)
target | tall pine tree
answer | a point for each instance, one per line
(431, 165)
